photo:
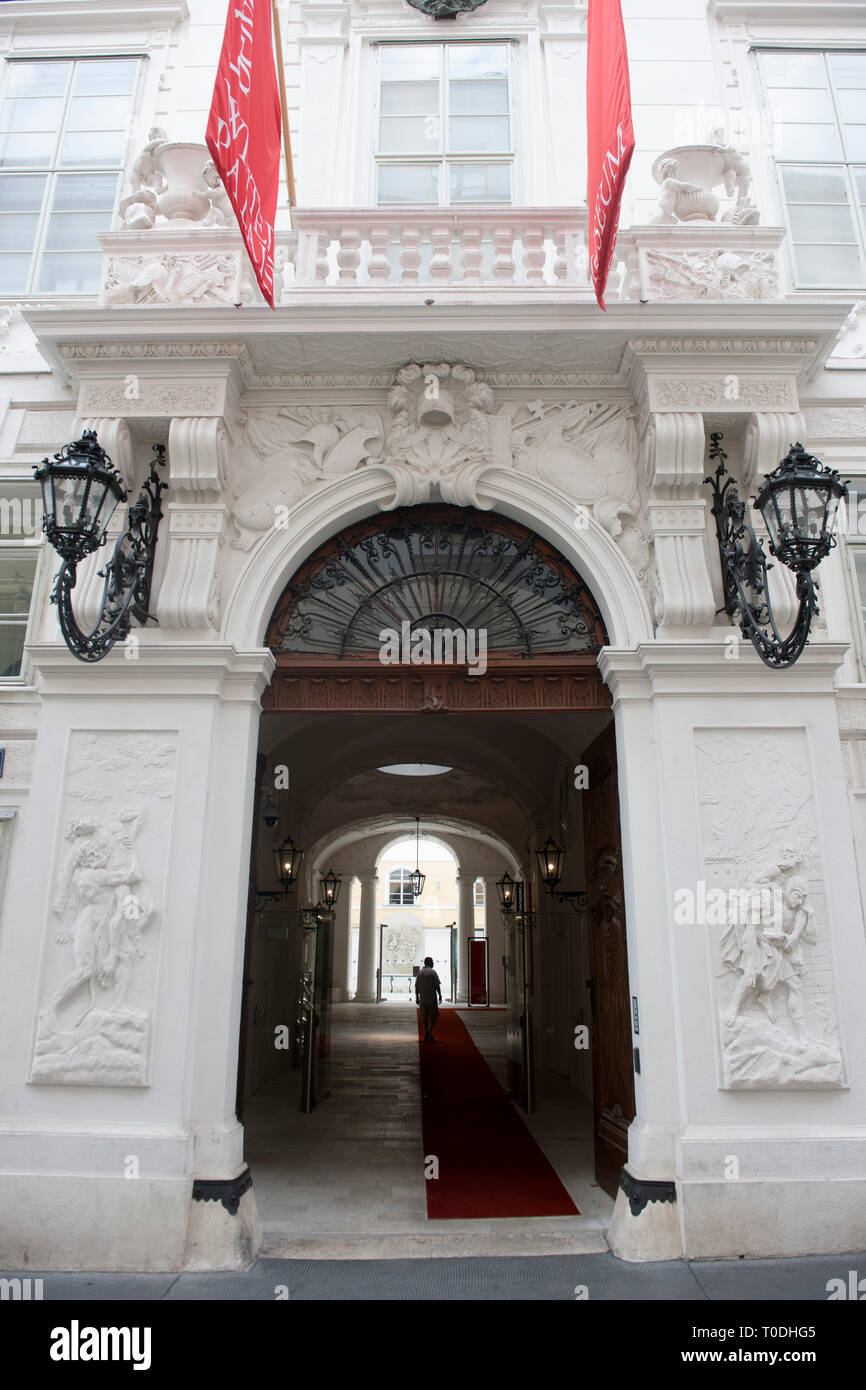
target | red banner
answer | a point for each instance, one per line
(609, 132)
(243, 131)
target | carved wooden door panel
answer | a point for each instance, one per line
(612, 1074)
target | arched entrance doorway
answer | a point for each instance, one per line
(459, 637)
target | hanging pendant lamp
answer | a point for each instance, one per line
(418, 879)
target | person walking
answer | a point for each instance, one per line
(428, 997)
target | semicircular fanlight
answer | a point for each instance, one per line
(436, 567)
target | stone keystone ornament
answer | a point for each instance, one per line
(445, 9)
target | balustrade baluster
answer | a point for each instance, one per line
(379, 266)
(503, 262)
(410, 253)
(470, 241)
(533, 255)
(349, 255)
(441, 238)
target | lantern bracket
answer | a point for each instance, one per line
(745, 573)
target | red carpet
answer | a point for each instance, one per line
(489, 1163)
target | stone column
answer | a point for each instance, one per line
(367, 944)
(495, 933)
(465, 929)
(342, 941)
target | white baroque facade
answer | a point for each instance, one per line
(118, 1035)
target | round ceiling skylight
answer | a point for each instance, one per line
(415, 769)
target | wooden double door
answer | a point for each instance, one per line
(611, 1045)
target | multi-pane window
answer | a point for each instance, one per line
(478, 888)
(444, 124)
(400, 888)
(818, 106)
(64, 127)
(20, 537)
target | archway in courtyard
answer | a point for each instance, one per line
(458, 638)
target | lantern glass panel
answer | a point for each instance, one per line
(70, 499)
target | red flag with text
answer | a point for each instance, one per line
(609, 132)
(243, 131)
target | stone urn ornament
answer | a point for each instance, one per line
(184, 198)
(688, 176)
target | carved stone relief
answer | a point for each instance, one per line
(441, 434)
(719, 274)
(195, 278)
(99, 970)
(285, 452)
(773, 972)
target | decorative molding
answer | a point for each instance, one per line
(640, 1191)
(106, 901)
(777, 1018)
(432, 692)
(153, 397)
(708, 393)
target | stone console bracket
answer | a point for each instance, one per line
(226, 1190)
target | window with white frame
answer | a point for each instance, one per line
(400, 888)
(817, 101)
(479, 892)
(20, 540)
(444, 124)
(64, 130)
(851, 526)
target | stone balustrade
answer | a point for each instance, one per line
(381, 248)
(523, 250)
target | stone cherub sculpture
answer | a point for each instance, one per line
(738, 181)
(139, 207)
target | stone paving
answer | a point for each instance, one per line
(347, 1180)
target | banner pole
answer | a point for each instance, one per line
(287, 139)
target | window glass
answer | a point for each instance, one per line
(439, 103)
(71, 117)
(17, 573)
(818, 105)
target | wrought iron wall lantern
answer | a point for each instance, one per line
(551, 862)
(506, 887)
(80, 492)
(330, 888)
(798, 503)
(287, 867)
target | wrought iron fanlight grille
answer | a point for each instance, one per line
(436, 567)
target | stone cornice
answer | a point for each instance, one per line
(792, 337)
(689, 668)
(172, 670)
(64, 15)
